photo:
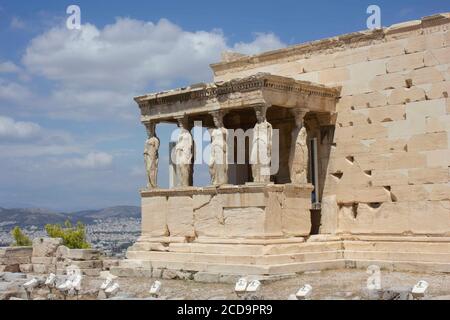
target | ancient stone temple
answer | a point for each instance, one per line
(347, 165)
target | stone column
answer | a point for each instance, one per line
(184, 154)
(261, 151)
(218, 162)
(151, 155)
(298, 157)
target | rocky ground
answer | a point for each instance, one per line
(349, 284)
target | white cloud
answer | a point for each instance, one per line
(9, 128)
(98, 71)
(25, 139)
(14, 92)
(17, 23)
(9, 67)
(263, 42)
(92, 160)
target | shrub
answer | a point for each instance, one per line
(20, 239)
(74, 237)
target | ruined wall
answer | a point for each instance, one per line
(388, 169)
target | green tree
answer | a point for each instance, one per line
(20, 239)
(74, 237)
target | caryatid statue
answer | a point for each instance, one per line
(151, 156)
(261, 152)
(183, 154)
(218, 167)
(298, 157)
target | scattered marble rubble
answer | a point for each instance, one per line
(49, 270)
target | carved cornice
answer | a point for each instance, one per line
(219, 90)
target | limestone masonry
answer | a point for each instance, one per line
(376, 111)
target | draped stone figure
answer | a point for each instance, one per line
(183, 155)
(261, 152)
(298, 158)
(151, 156)
(218, 166)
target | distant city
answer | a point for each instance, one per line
(111, 230)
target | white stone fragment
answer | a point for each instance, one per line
(304, 292)
(419, 289)
(76, 282)
(241, 285)
(65, 286)
(30, 285)
(112, 290)
(254, 286)
(155, 288)
(51, 280)
(106, 283)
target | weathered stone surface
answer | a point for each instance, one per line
(45, 247)
(437, 57)
(424, 42)
(86, 264)
(439, 90)
(335, 75)
(154, 216)
(428, 175)
(169, 274)
(9, 268)
(83, 254)
(389, 49)
(15, 252)
(180, 216)
(42, 260)
(428, 141)
(406, 62)
(206, 277)
(108, 263)
(61, 253)
(208, 216)
(43, 268)
(91, 272)
(388, 81)
(425, 76)
(26, 268)
(14, 260)
(406, 95)
(12, 276)
(244, 222)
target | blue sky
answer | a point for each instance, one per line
(70, 136)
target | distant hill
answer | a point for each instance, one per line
(116, 212)
(40, 217)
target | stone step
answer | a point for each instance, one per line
(238, 249)
(137, 268)
(410, 266)
(397, 246)
(397, 256)
(234, 259)
(232, 269)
